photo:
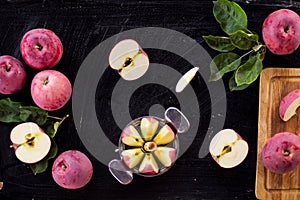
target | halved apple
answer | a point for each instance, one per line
(129, 59)
(164, 136)
(166, 155)
(289, 105)
(132, 157)
(149, 165)
(148, 127)
(31, 143)
(131, 137)
(228, 148)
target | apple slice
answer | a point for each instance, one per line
(30, 142)
(148, 128)
(129, 59)
(131, 137)
(228, 148)
(289, 105)
(149, 165)
(132, 157)
(164, 136)
(166, 155)
(186, 79)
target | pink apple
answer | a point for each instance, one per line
(12, 75)
(281, 153)
(72, 169)
(50, 90)
(281, 31)
(41, 48)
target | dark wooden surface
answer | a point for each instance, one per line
(82, 25)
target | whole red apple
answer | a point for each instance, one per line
(281, 153)
(12, 75)
(281, 31)
(41, 48)
(72, 169)
(50, 89)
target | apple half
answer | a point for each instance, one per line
(228, 148)
(289, 104)
(30, 142)
(129, 59)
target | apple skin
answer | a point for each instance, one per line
(281, 153)
(281, 31)
(12, 75)
(72, 169)
(49, 52)
(286, 102)
(50, 90)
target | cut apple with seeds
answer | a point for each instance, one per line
(166, 155)
(149, 165)
(186, 79)
(129, 59)
(131, 137)
(289, 105)
(30, 142)
(132, 157)
(148, 128)
(228, 149)
(164, 136)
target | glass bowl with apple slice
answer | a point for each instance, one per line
(149, 146)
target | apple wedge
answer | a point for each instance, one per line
(129, 59)
(166, 155)
(31, 143)
(164, 136)
(148, 128)
(289, 105)
(149, 165)
(132, 157)
(131, 137)
(186, 79)
(228, 148)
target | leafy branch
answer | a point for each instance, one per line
(247, 67)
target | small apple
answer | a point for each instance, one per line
(72, 169)
(281, 153)
(12, 75)
(129, 59)
(41, 48)
(289, 104)
(31, 143)
(281, 31)
(149, 165)
(228, 148)
(50, 89)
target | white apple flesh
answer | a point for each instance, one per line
(289, 104)
(129, 59)
(31, 143)
(228, 149)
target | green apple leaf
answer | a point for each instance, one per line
(33, 114)
(233, 86)
(219, 43)
(42, 165)
(223, 63)
(248, 72)
(9, 111)
(230, 16)
(242, 40)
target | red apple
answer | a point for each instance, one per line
(281, 31)
(72, 169)
(50, 90)
(12, 75)
(41, 48)
(281, 153)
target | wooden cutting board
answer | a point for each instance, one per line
(275, 83)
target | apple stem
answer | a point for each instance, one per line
(8, 67)
(61, 119)
(38, 46)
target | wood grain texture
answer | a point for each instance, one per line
(274, 85)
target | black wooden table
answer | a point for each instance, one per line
(82, 25)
